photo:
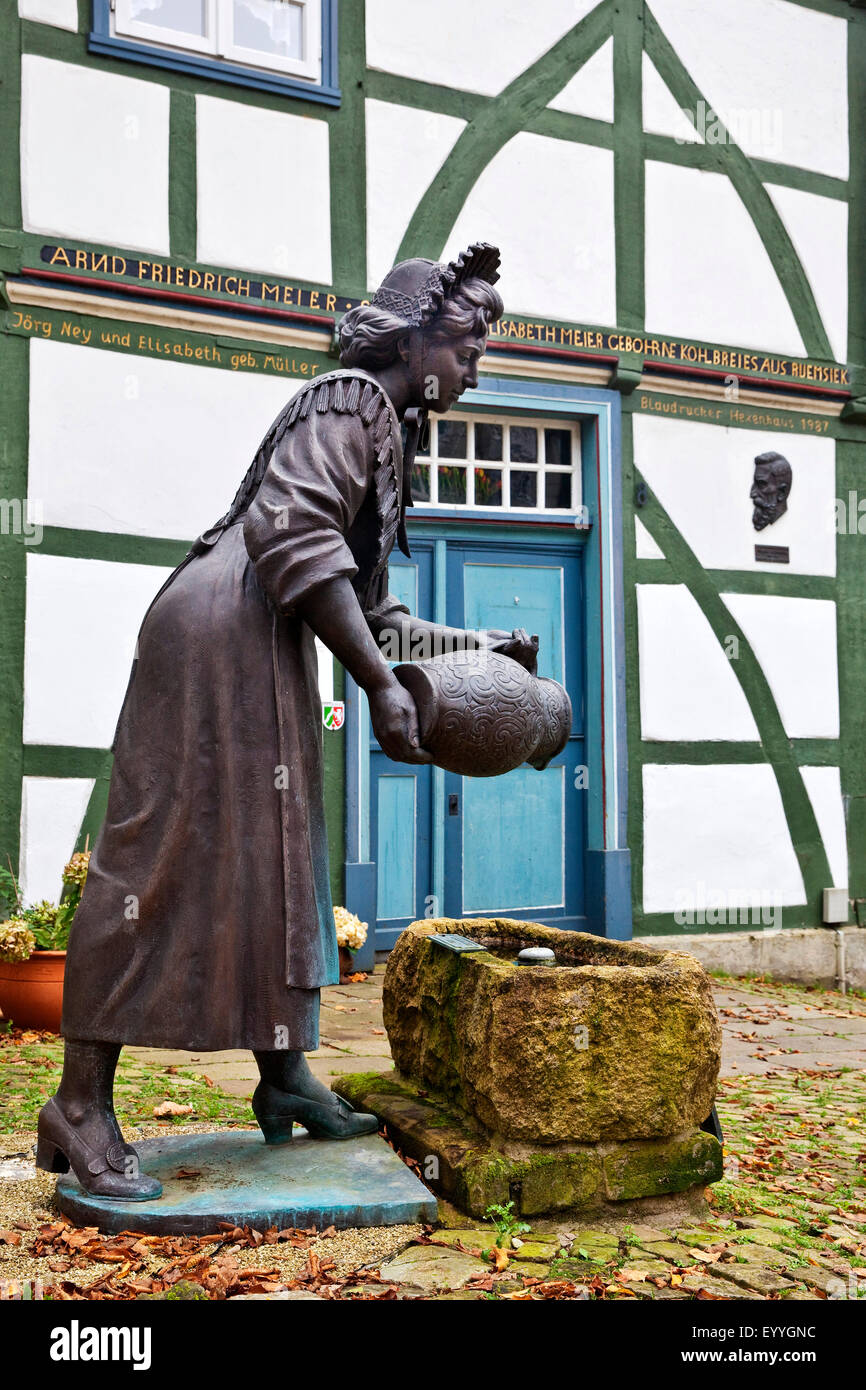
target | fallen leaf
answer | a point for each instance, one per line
(10, 1238)
(188, 1173)
(499, 1258)
(170, 1107)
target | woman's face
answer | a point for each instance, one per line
(449, 367)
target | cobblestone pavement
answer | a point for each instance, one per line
(788, 1221)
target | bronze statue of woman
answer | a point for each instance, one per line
(206, 921)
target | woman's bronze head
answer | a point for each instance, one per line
(434, 318)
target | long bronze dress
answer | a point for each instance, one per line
(206, 920)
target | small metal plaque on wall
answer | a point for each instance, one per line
(773, 554)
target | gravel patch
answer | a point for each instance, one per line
(27, 1200)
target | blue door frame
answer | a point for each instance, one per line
(596, 532)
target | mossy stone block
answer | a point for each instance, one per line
(652, 1166)
(616, 1042)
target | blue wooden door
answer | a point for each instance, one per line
(512, 846)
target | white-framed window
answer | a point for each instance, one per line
(282, 36)
(509, 463)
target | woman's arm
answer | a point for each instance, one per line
(334, 614)
(403, 637)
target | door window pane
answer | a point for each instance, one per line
(452, 485)
(524, 444)
(524, 488)
(557, 490)
(269, 26)
(179, 16)
(488, 487)
(488, 442)
(452, 439)
(557, 448)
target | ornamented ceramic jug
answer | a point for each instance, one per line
(482, 714)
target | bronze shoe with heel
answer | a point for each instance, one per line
(102, 1174)
(277, 1111)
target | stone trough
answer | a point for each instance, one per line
(578, 1085)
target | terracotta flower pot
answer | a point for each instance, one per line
(31, 991)
(346, 966)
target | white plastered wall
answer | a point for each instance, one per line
(83, 618)
(405, 148)
(94, 155)
(62, 14)
(264, 200)
(824, 786)
(781, 68)
(708, 275)
(688, 690)
(590, 91)
(645, 547)
(794, 639)
(716, 836)
(661, 114)
(818, 227)
(52, 809)
(702, 475)
(557, 242)
(138, 445)
(478, 47)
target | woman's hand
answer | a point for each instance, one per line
(394, 717)
(517, 644)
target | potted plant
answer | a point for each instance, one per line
(33, 944)
(351, 935)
